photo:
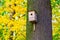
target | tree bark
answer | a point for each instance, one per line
(43, 29)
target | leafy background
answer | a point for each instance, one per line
(13, 19)
(55, 19)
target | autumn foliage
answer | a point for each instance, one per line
(55, 19)
(13, 19)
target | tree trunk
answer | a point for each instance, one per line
(43, 29)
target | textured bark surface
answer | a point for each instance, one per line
(43, 26)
